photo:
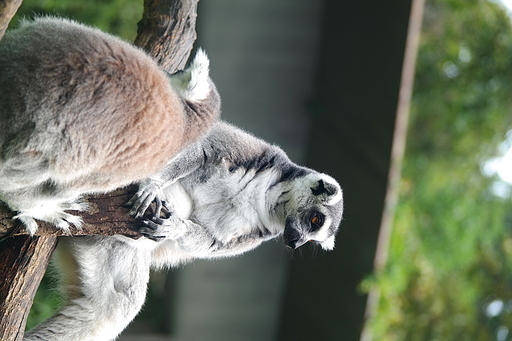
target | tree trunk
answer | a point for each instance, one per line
(24, 261)
(8, 9)
(166, 32)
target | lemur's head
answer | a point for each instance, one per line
(313, 211)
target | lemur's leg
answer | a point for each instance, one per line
(197, 240)
(106, 289)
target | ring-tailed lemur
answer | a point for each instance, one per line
(225, 194)
(82, 112)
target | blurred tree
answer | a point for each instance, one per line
(118, 17)
(449, 274)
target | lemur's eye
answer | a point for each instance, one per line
(316, 220)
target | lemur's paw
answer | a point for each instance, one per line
(157, 228)
(27, 221)
(148, 192)
(60, 219)
(65, 220)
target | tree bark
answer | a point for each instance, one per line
(167, 33)
(8, 9)
(107, 215)
(24, 261)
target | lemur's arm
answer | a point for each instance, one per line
(106, 288)
(197, 241)
(150, 189)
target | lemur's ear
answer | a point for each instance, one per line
(192, 83)
(319, 188)
(329, 189)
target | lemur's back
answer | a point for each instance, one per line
(87, 104)
(82, 111)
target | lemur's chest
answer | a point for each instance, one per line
(229, 204)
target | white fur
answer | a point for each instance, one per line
(52, 211)
(193, 83)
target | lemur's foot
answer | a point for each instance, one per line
(157, 228)
(55, 216)
(77, 205)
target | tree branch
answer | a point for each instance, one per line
(167, 31)
(107, 215)
(24, 260)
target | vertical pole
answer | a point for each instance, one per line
(397, 153)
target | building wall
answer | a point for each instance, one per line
(263, 60)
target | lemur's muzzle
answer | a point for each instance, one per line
(292, 237)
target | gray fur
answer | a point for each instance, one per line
(83, 112)
(226, 194)
(237, 191)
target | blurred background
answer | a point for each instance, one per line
(324, 80)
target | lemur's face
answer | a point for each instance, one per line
(314, 211)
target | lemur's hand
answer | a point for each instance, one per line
(157, 228)
(149, 191)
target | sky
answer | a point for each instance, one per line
(505, 167)
(502, 165)
(507, 3)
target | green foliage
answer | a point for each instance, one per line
(46, 301)
(451, 248)
(118, 17)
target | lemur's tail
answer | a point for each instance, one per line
(193, 83)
